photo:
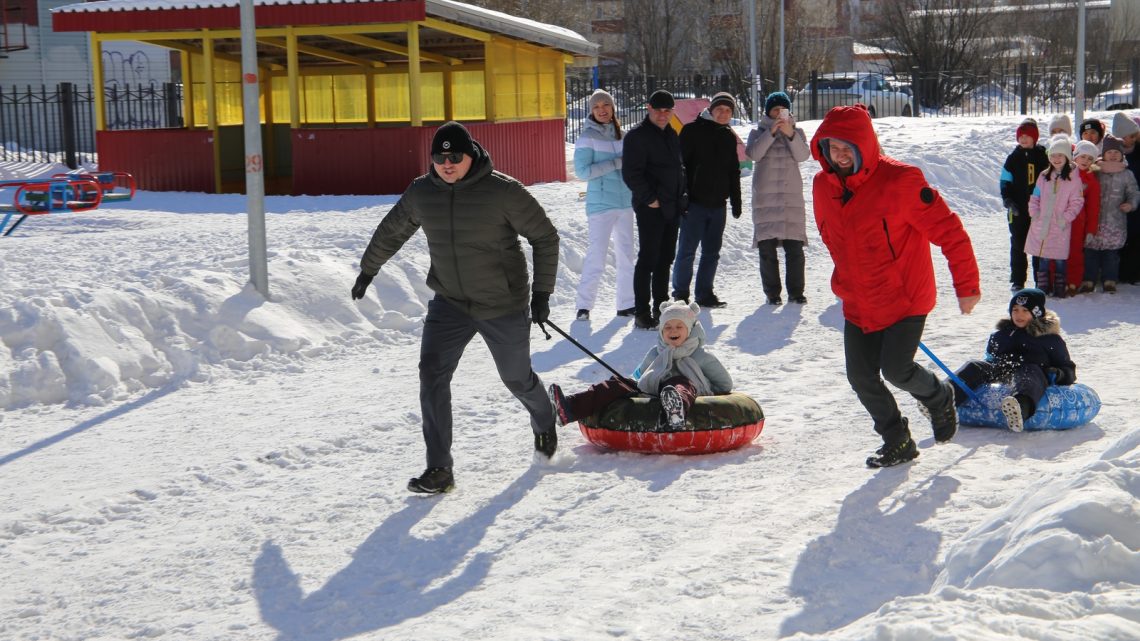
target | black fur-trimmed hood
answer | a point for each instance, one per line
(1050, 323)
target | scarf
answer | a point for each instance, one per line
(671, 361)
(1112, 166)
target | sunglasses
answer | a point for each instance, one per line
(455, 157)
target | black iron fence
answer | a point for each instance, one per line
(1014, 89)
(58, 125)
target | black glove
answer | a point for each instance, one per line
(736, 212)
(360, 288)
(539, 307)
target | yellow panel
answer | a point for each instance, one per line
(349, 100)
(392, 98)
(470, 95)
(228, 95)
(431, 95)
(279, 85)
(528, 95)
(506, 96)
(547, 89)
(317, 101)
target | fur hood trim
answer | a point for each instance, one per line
(1050, 323)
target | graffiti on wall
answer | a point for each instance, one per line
(126, 74)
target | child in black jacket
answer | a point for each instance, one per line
(1027, 352)
(1018, 177)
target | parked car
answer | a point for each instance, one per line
(848, 88)
(1115, 99)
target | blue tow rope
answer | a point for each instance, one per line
(954, 377)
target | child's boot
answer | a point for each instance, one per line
(1012, 411)
(561, 407)
(1043, 281)
(1059, 289)
(1086, 287)
(673, 407)
(1110, 287)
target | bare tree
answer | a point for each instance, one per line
(948, 43)
(657, 35)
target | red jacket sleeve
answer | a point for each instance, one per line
(930, 215)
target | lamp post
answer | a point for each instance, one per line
(254, 162)
(1079, 110)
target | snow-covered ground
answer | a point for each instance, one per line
(182, 459)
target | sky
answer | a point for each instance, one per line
(181, 458)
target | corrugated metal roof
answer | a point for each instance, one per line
(478, 17)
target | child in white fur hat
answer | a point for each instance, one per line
(677, 370)
(1057, 199)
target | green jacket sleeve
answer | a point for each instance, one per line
(390, 235)
(529, 219)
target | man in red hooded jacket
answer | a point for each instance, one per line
(878, 217)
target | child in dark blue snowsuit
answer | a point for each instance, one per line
(1025, 351)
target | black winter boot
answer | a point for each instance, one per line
(943, 414)
(434, 480)
(546, 443)
(893, 454)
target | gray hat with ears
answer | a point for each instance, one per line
(1123, 126)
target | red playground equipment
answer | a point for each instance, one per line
(61, 193)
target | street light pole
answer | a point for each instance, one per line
(783, 81)
(254, 162)
(755, 73)
(1079, 111)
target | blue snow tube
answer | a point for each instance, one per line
(1063, 407)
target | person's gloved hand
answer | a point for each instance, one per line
(360, 288)
(539, 307)
(736, 212)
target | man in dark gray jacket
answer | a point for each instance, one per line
(472, 217)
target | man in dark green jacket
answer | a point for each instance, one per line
(472, 217)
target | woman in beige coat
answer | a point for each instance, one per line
(778, 214)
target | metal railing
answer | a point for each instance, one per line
(43, 125)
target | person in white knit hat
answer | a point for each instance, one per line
(677, 370)
(609, 214)
(1056, 201)
(1061, 124)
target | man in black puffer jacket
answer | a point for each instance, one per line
(651, 167)
(472, 217)
(708, 149)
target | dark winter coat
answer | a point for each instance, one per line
(1040, 343)
(878, 224)
(653, 170)
(1019, 176)
(472, 229)
(712, 168)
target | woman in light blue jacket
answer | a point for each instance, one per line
(609, 209)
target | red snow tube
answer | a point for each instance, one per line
(714, 424)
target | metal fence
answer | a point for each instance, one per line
(58, 125)
(1015, 89)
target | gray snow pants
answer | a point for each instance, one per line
(447, 331)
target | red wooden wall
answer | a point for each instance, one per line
(160, 159)
(335, 161)
(384, 161)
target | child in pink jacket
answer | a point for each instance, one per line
(1056, 201)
